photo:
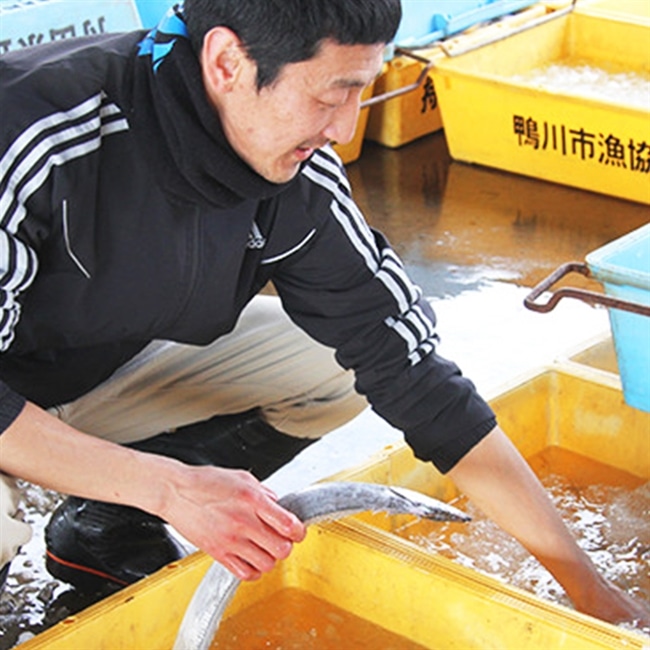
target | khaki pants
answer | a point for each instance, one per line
(265, 363)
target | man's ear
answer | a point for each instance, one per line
(222, 57)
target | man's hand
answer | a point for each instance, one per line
(498, 480)
(612, 604)
(227, 513)
(233, 517)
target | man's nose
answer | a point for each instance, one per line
(343, 124)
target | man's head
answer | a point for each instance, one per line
(276, 32)
(286, 76)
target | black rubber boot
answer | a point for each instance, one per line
(101, 547)
(239, 441)
(98, 546)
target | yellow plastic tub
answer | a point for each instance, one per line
(570, 420)
(358, 584)
(412, 115)
(346, 586)
(498, 111)
(576, 406)
(634, 10)
(345, 580)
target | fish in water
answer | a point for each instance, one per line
(320, 502)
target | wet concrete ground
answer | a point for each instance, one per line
(476, 240)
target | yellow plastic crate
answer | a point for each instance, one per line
(364, 570)
(493, 119)
(414, 114)
(635, 10)
(347, 569)
(409, 116)
(571, 420)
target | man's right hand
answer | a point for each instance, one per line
(227, 513)
(231, 516)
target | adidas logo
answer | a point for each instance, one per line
(256, 239)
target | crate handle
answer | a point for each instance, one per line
(590, 297)
(428, 64)
(500, 37)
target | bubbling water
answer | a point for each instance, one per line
(609, 522)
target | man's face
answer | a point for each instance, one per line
(310, 104)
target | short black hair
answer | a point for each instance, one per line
(277, 32)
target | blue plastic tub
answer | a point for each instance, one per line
(426, 21)
(623, 267)
(24, 23)
(151, 11)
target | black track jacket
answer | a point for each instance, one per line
(125, 217)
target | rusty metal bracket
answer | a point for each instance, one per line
(377, 99)
(590, 297)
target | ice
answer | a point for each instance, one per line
(585, 80)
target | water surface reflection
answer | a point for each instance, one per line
(456, 225)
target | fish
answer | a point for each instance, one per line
(320, 502)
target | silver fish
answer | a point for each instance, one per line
(324, 501)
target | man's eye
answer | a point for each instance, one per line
(334, 100)
(330, 106)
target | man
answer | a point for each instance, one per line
(151, 186)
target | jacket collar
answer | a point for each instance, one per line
(178, 128)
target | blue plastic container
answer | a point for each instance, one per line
(24, 23)
(623, 267)
(426, 21)
(151, 11)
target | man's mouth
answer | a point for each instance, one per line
(303, 153)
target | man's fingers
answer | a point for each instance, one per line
(269, 492)
(283, 521)
(252, 560)
(234, 518)
(267, 542)
(240, 569)
(250, 564)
